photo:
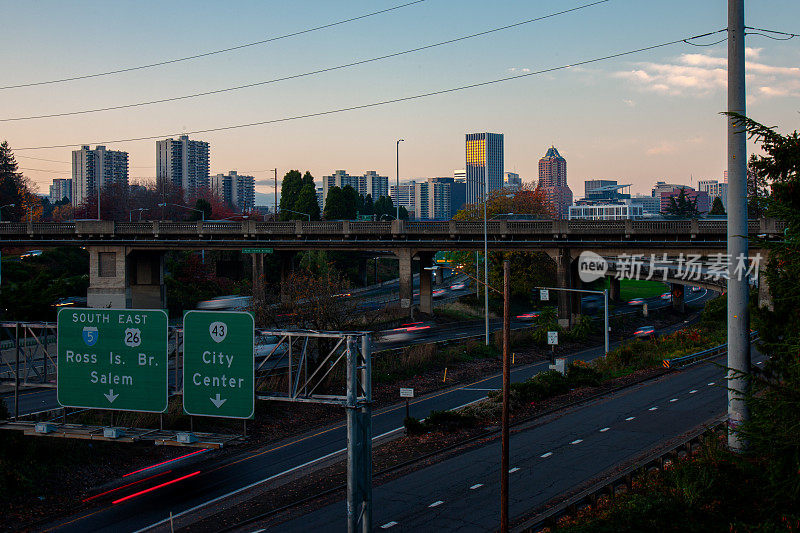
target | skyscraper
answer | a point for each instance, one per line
(184, 163)
(484, 165)
(236, 190)
(373, 184)
(553, 182)
(96, 168)
(60, 189)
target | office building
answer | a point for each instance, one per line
(715, 189)
(616, 211)
(235, 190)
(650, 205)
(512, 180)
(60, 189)
(460, 176)
(700, 199)
(96, 168)
(373, 184)
(484, 165)
(553, 182)
(405, 197)
(184, 163)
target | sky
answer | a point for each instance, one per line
(638, 118)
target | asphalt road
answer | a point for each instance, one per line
(219, 480)
(462, 493)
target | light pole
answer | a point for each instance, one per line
(397, 182)
(7, 205)
(203, 218)
(485, 255)
(299, 213)
(140, 209)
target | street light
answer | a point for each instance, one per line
(298, 213)
(486, 254)
(397, 183)
(140, 209)
(7, 205)
(202, 214)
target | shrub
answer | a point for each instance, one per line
(581, 374)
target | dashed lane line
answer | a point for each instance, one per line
(673, 400)
(387, 525)
(476, 486)
(653, 408)
(437, 503)
(604, 430)
(546, 455)
(692, 391)
(516, 468)
(576, 441)
(629, 418)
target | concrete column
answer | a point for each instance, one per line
(614, 291)
(258, 277)
(563, 275)
(146, 289)
(362, 271)
(285, 260)
(108, 277)
(439, 276)
(406, 278)
(764, 294)
(677, 297)
(575, 283)
(425, 290)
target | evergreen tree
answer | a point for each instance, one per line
(717, 208)
(352, 202)
(335, 208)
(203, 205)
(307, 203)
(682, 207)
(368, 209)
(290, 189)
(11, 185)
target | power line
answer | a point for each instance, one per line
(213, 52)
(786, 34)
(391, 101)
(311, 73)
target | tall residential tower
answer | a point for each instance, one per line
(184, 163)
(96, 168)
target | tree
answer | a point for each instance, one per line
(717, 208)
(384, 207)
(290, 189)
(307, 203)
(335, 208)
(202, 205)
(11, 185)
(369, 208)
(682, 206)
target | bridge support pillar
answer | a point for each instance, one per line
(439, 279)
(425, 291)
(123, 279)
(576, 301)
(764, 295)
(563, 278)
(258, 277)
(406, 278)
(614, 289)
(677, 297)
(285, 260)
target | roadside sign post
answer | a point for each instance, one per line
(113, 359)
(407, 393)
(552, 340)
(544, 295)
(218, 369)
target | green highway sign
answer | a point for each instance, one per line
(256, 250)
(112, 359)
(218, 369)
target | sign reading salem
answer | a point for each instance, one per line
(113, 359)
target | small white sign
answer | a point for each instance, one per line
(552, 337)
(544, 295)
(406, 393)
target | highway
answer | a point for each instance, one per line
(219, 480)
(546, 460)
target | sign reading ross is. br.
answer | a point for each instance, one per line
(113, 359)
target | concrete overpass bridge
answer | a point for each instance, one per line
(127, 258)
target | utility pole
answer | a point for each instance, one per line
(486, 251)
(275, 170)
(397, 175)
(504, 462)
(738, 288)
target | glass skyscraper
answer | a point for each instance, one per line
(484, 164)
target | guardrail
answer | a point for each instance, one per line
(701, 355)
(591, 496)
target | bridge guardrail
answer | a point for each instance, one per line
(701, 355)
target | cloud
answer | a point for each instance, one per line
(519, 70)
(703, 74)
(662, 148)
(628, 102)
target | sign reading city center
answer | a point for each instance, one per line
(113, 359)
(218, 369)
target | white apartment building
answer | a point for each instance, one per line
(60, 189)
(236, 190)
(185, 163)
(715, 189)
(605, 212)
(98, 168)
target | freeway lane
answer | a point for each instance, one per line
(252, 468)
(547, 460)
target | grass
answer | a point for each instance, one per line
(637, 288)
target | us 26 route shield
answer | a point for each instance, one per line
(113, 359)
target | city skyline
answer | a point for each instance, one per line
(639, 119)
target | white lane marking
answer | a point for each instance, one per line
(437, 503)
(674, 400)
(710, 383)
(469, 388)
(629, 418)
(513, 470)
(604, 430)
(476, 486)
(387, 525)
(576, 441)
(652, 408)
(546, 455)
(692, 391)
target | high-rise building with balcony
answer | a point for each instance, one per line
(98, 168)
(715, 189)
(553, 182)
(484, 165)
(405, 196)
(184, 163)
(60, 189)
(234, 189)
(339, 178)
(373, 184)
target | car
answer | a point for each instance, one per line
(458, 286)
(439, 293)
(404, 332)
(221, 303)
(71, 301)
(31, 253)
(636, 301)
(528, 317)
(666, 296)
(696, 289)
(645, 332)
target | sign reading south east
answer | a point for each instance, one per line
(218, 364)
(113, 359)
